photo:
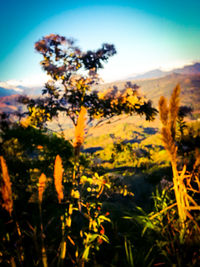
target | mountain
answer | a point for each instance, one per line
(31, 91)
(9, 103)
(13, 87)
(157, 73)
(148, 75)
(188, 77)
(189, 69)
(6, 92)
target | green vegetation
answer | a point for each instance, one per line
(127, 193)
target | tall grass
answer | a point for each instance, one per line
(58, 174)
(80, 130)
(41, 188)
(181, 180)
(6, 192)
(6, 189)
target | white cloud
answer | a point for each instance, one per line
(27, 82)
(35, 80)
(175, 64)
(11, 85)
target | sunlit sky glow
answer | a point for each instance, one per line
(148, 34)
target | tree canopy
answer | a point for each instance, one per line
(73, 76)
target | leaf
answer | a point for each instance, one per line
(93, 237)
(104, 218)
(108, 185)
(105, 238)
(86, 253)
(96, 175)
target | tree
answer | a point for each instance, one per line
(73, 74)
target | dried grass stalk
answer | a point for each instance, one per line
(173, 109)
(6, 189)
(168, 118)
(163, 110)
(58, 174)
(169, 143)
(41, 186)
(181, 180)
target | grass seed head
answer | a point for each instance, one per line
(58, 174)
(163, 109)
(174, 109)
(41, 186)
(6, 189)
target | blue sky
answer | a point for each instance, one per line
(148, 34)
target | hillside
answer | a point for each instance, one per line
(9, 103)
(6, 92)
(154, 88)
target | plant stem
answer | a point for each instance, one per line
(44, 254)
(63, 242)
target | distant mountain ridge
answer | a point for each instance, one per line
(6, 92)
(157, 73)
(9, 103)
(189, 69)
(19, 90)
(188, 77)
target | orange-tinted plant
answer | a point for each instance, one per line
(80, 130)
(6, 189)
(181, 179)
(58, 174)
(41, 186)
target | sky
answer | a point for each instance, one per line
(147, 34)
